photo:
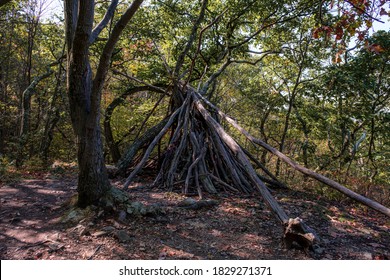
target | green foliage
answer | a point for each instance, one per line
(326, 107)
(4, 165)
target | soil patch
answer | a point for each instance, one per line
(237, 227)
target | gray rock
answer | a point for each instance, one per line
(187, 202)
(123, 236)
(81, 230)
(108, 229)
(319, 250)
(122, 216)
(367, 256)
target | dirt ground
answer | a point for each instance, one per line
(32, 226)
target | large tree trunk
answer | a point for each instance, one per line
(85, 91)
(92, 180)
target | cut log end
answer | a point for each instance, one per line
(297, 234)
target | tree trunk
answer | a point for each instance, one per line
(92, 178)
(85, 91)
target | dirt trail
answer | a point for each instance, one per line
(238, 227)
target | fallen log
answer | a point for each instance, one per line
(295, 229)
(333, 184)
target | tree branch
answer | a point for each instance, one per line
(105, 57)
(191, 39)
(106, 19)
(200, 42)
(254, 62)
(364, 12)
(364, 200)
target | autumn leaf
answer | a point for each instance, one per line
(339, 33)
(316, 33)
(361, 36)
(375, 48)
(383, 12)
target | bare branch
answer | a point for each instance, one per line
(155, 88)
(254, 62)
(150, 148)
(215, 75)
(106, 19)
(200, 42)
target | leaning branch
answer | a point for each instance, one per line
(362, 199)
(150, 148)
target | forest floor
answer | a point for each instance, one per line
(32, 226)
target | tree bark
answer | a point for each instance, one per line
(85, 92)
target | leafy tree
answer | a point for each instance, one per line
(359, 91)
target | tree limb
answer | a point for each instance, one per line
(191, 39)
(106, 19)
(364, 200)
(105, 57)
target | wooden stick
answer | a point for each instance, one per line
(360, 198)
